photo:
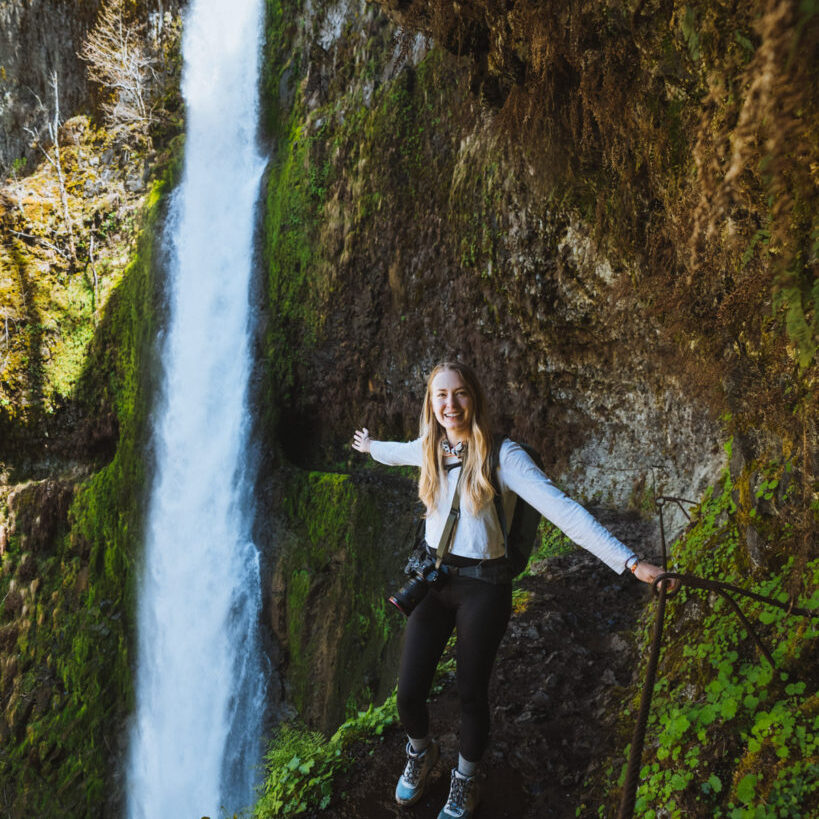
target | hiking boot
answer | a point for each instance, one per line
(410, 786)
(463, 797)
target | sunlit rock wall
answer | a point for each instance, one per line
(404, 227)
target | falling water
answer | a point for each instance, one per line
(194, 747)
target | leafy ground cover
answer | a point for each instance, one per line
(728, 735)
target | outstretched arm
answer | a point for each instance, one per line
(527, 480)
(393, 453)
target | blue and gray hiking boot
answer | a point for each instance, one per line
(410, 786)
(463, 797)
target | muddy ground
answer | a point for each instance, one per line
(557, 694)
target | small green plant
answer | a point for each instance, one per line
(520, 600)
(733, 737)
(553, 543)
(302, 764)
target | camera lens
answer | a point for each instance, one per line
(409, 595)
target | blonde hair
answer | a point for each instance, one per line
(476, 484)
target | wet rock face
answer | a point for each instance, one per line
(37, 38)
(436, 239)
(38, 512)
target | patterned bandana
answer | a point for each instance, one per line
(457, 451)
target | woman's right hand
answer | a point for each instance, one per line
(361, 440)
(647, 572)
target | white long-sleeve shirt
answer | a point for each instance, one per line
(479, 535)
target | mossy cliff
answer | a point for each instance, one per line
(70, 547)
(409, 218)
(611, 210)
(346, 541)
(80, 306)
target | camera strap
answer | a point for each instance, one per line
(449, 526)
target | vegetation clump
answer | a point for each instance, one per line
(301, 764)
(728, 735)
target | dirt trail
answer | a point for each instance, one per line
(556, 695)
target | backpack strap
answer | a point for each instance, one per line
(494, 464)
(449, 526)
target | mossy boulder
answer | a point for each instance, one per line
(340, 549)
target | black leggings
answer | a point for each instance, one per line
(479, 611)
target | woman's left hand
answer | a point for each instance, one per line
(647, 572)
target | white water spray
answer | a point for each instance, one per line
(196, 735)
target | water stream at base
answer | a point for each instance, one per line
(195, 738)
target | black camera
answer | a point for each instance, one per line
(423, 577)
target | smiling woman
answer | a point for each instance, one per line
(463, 580)
(455, 423)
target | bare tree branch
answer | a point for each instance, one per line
(54, 158)
(120, 60)
(42, 241)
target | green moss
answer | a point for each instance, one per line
(281, 64)
(324, 503)
(297, 282)
(294, 283)
(298, 589)
(728, 736)
(80, 657)
(343, 551)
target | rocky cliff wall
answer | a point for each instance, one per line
(70, 524)
(558, 225)
(36, 39)
(589, 203)
(405, 226)
(39, 40)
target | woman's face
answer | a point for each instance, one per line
(451, 404)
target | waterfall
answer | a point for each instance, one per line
(196, 732)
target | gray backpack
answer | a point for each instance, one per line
(520, 535)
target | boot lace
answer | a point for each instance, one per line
(415, 764)
(458, 794)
